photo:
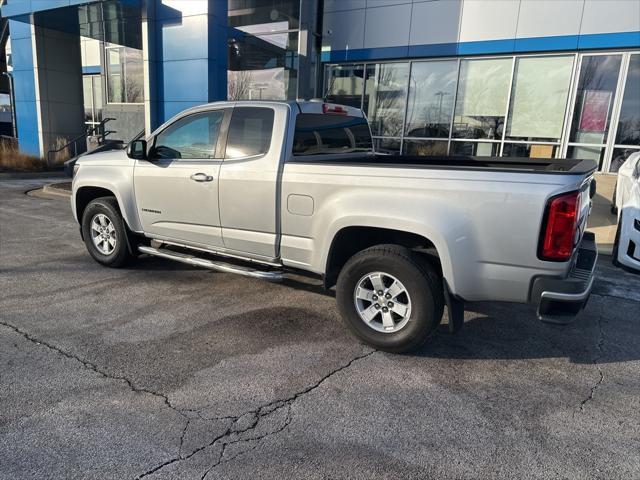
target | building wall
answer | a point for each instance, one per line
(381, 29)
(59, 87)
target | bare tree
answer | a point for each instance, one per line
(238, 85)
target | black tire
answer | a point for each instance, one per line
(423, 285)
(107, 206)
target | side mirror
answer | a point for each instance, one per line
(137, 150)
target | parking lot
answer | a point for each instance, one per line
(165, 371)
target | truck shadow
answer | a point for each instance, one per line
(606, 332)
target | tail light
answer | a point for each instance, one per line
(333, 109)
(559, 227)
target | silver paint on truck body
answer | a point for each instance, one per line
(484, 224)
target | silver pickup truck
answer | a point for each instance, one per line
(266, 188)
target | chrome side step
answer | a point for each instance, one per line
(211, 265)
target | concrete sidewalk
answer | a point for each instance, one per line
(602, 222)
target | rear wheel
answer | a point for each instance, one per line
(105, 233)
(390, 298)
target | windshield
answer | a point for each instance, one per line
(317, 134)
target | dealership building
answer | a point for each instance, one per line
(525, 78)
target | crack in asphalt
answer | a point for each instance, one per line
(255, 439)
(232, 434)
(236, 435)
(94, 368)
(596, 359)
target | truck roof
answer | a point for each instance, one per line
(305, 106)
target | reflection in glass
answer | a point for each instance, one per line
(250, 132)
(125, 77)
(134, 76)
(594, 98)
(193, 137)
(587, 153)
(344, 85)
(531, 150)
(481, 103)
(539, 98)
(323, 134)
(263, 67)
(619, 156)
(425, 148)
(115, 75)
(87, 92)
(263, 13)
(387, 101)
(475, 149)
(432, 89)
(92, 94)
(369, 86)
(387, 145)
(97, 98)
(629, 124)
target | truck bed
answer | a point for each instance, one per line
(505, 164)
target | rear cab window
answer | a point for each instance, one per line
(320, 134)
(250, 132)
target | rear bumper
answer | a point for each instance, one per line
(559, 300)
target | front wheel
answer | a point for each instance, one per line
(390, 298)
(104, 232)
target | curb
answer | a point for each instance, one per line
(53, 189)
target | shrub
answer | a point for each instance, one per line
(12, 159)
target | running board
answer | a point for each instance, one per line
(211, 265)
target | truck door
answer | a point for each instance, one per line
(177, 188)
(249, 179)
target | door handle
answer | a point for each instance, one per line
(201, 177)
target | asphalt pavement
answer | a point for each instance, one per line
(165, 371)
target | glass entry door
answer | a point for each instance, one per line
(93, 103)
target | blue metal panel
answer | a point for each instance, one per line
(92, 70)
(28, 136)
(486, 47)
(22, 7)
(183, 41)
(21, 53)
(170, 109)
(185, 80)
(609, 40)
(190, 55)
(546, 44)
(19, 29)
(434, 50)
(24, 88)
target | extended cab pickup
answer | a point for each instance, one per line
(266, 188)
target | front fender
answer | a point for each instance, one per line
(116, 179)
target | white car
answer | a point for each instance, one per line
(626, 251)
